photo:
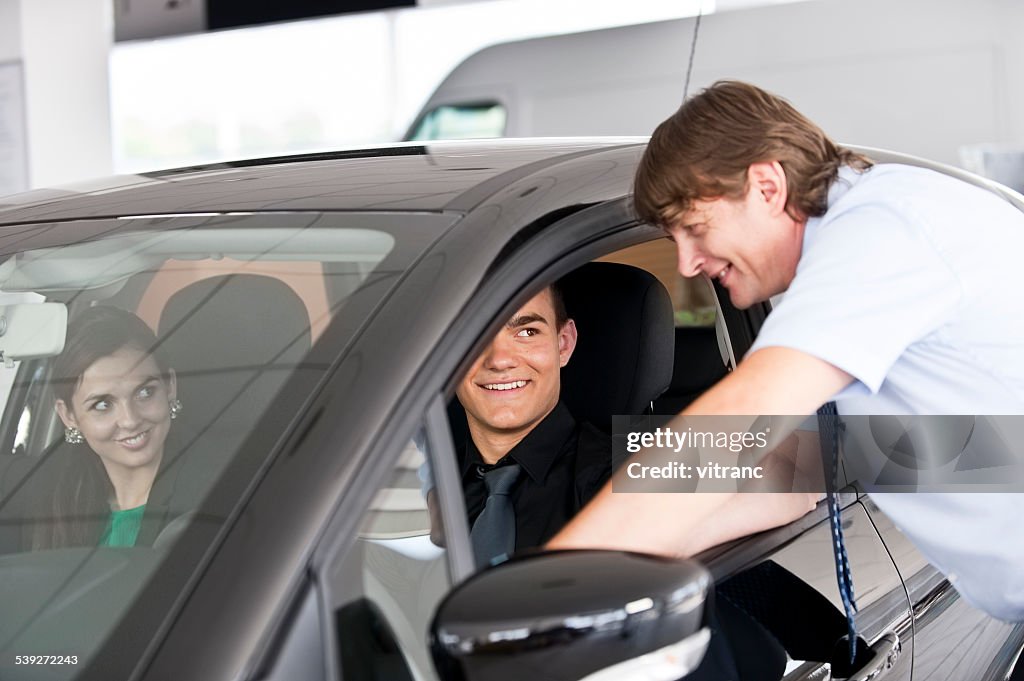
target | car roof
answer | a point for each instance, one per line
(431, 177)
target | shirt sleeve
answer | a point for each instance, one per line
(868, 285)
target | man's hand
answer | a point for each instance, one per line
(794, 466)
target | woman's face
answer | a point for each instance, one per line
(122, 408)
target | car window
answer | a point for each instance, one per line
(387, 585)
(462, 121)
(698, 362)
(223, 312)
(693, 301)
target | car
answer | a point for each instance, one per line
(318, 311)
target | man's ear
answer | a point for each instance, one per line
(65, 414)
(768, 180)
(566, 342)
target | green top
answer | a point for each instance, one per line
(123, 528)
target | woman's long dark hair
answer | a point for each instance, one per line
(75, 513)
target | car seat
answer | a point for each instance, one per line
(233, 340)
(698, 366)
(624, 354)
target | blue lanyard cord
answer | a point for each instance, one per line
(828, 432)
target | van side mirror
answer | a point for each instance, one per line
(570, 615)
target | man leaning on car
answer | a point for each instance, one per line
(901, 297)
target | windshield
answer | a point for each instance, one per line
(140, 356)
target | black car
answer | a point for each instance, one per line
(318, 311)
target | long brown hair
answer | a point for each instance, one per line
(704, 149)
(77, 510)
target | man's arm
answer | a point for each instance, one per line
(771, 381)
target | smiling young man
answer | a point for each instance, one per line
(901, 296)
(522, 439)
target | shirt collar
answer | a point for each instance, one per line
(848, 177)
(538, 451)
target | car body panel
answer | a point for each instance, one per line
(406, 178)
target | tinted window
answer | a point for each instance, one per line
(194, 326)
(388, 584)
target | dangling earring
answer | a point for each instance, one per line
(175, 407)
(73, 436)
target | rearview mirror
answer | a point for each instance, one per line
(593, 615)
(31, 330)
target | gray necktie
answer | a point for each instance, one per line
(494, 532)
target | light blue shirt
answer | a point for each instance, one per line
(912, 283)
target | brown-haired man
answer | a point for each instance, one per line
(901, 297)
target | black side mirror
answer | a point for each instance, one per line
(573, 615)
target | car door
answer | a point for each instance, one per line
(380, 587)
(378, 572)
(783, 580)
(377, 576)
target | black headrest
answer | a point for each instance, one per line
(699, 362)
(233, 340)
(623, 358)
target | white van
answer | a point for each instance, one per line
(921, 76)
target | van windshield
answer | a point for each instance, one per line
(483, 120)
(143, 359)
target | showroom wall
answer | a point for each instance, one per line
(324, 83)
(56, 111)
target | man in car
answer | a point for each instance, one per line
(901, 297)
(527, 465)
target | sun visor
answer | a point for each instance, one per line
(32, 330)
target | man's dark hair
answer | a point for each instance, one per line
(558, 302)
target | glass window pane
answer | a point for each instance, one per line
(182, 332)
(462, 121)
(390, 582)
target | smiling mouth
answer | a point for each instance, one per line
(134, 440)
(723, 274)
(500, 387)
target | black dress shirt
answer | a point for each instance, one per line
(564, 464)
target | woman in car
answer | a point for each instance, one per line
(117, 399)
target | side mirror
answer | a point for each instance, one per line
(594, 615)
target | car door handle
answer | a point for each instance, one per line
(884, 654)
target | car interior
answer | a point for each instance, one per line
(224, 384)
(233, 327)
(626, 307)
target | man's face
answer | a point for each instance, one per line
(750, 245)
(515, 381)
